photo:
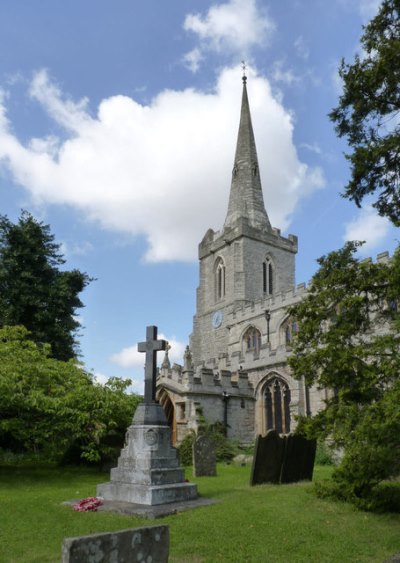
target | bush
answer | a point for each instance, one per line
(384, 497)
(185, 449)
(324, 455)
(225, 449)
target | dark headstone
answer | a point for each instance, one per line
(310, 449)
(204, 460)
(129, 546)
(267, 460)
(298, 459)
(282, 459)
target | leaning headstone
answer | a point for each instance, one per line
(310, 449)
(267, 460)
(298, 459)
(204, 459)
(127, 546)
(148, 471)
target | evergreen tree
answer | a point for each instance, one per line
(34, 291)
(368, 113)
(349, 343)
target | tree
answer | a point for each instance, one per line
(349, 343)
(48, 406)
(34, 292)
(368, 113)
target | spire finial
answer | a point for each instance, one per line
(244, 77)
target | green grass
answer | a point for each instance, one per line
(266, 523)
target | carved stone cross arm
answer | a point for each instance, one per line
(151, 347)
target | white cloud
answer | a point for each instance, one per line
(369, 227)
(192, 59)
(100, 378)
(312, 147)
(130, 357)
(82, 248)
(284, 75)
(302, 49)
(135, 387)
(234, 28)
(368, 8)
(159, 170)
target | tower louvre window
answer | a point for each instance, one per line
(252, 340)
(219, 279)
(289, 329)
(268, 277)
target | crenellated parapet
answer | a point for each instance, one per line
(209, 394)
(205, 380)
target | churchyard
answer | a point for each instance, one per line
(277, 523)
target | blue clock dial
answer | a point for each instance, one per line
(217, 319)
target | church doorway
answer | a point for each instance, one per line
(169, 409)
(276, 399)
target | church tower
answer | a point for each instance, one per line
(246, 262)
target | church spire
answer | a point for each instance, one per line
(246, 198)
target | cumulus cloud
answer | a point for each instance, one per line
(234, 27)
(77, 249)
(369, 227)
(283, 74)
(368, 8)
(135, 387)
(100, 378)
(130, 357)
(158, 170)
(301, 47)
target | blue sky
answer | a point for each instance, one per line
(118, 124)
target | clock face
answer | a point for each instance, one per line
(217, 319)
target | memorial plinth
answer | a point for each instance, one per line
(148, 470)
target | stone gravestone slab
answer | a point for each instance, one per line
(127, 546)
(267, 460)
(298, 459)
(204, 459)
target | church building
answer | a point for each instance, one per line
(235, 368)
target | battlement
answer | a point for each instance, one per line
(205, 379)
(271, 303)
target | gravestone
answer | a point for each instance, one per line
(127, 546)
(282, 459)
(148, 470)
(298, 459)
(204, 460)
(267, 460)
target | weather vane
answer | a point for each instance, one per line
(244, 77)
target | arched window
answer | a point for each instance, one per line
(252, 340)
(219, 279)
(277, 405)
(289, 330)
(268, 277)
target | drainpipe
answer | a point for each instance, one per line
(225, 398)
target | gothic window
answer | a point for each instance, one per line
(277, 405)
(219, 279)
(289, 329)
(252, 340)
(268, 277)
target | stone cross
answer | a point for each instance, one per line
(151, 347)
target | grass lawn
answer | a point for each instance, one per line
(267, 523)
